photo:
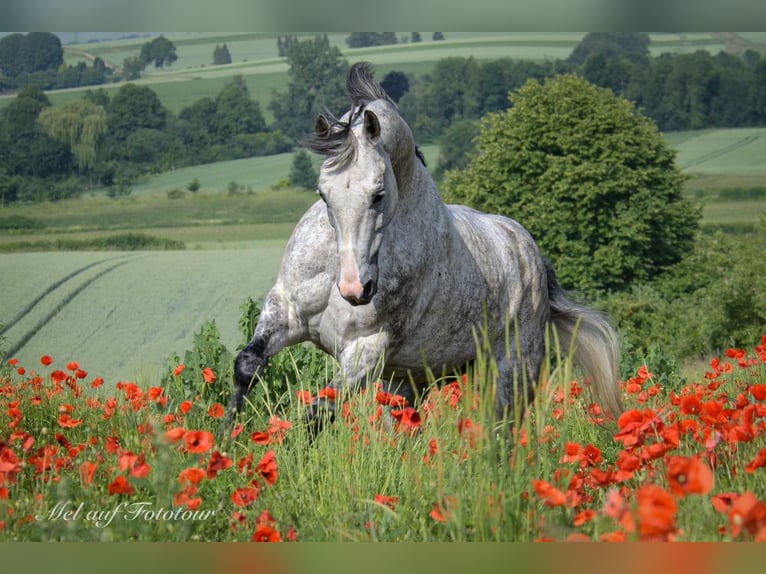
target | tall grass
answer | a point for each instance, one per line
(158, 463)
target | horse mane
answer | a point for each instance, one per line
(338, 142)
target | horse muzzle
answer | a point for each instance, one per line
(356, 293)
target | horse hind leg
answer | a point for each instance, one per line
(519, 362)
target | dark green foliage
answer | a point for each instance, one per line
(456, 147)
(612, 45)
(317, 84)
(221, 55)
(302, 172)
(396, 84)
(365, 39)
(712, 300)
(132, 108)
(593, 181)
(194, 185)
(207, 352)
(29, 53)
(161, 52)
(132, 68)
(117, 242)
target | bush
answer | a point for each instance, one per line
(590, 177)
(176, 193)
(302, 172)
(193, 185)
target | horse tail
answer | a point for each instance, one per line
(591, 340)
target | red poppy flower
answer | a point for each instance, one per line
(179, 369)
(262, 438)
(141, 468)
(72, 366)
(548, 493)
(329, 393)
(175, 435)
(747, 513)
(97, 382)
(87, 472)
(277, 428)
(584, 517)
(120, 485)
(208, 375)
(188, 499)
(66, 421)
(185, 407)
(265, 533)
(246, 496)
(267, 467)
(389, 501)
(656, 512)
(441, 511)
(216, 464)
(198, 441)
(192, 476)
(216, 410)
(407, 419)
(46, 360)
(689, 476)
(305, 397)
(758, 391)
(127, 460)
(238, 428)
(758, 462)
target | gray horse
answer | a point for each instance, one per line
(385, 277)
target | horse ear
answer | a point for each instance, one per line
(371, 125)
(322, 126)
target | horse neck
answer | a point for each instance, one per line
(419, 198)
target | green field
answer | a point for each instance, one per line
(123, 314)
(254, 56)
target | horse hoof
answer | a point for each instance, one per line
(319, 414)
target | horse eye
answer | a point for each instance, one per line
(378, 197)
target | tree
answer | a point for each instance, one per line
(396, 84)
(415, 37)
(591, 178)
(160, 51)
(236, 113)
(457, 146)
(132, 67)
(437, 36)
(365, 39)
(221, 55)
(134, 107)
(317, 83)
(302, 172)
(455, 92)
(33, 52)
(78, 124)
(631, 45)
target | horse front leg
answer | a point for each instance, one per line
(277, 328)
(358, 363)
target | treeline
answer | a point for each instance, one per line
(37, 58)
(52, 152)
(678, 91)
(55, 152)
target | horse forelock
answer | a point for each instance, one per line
(338, 143)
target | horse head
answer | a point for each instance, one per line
(359, 179)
